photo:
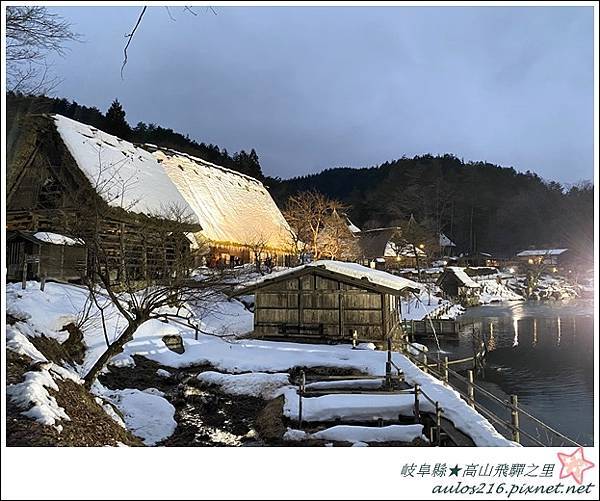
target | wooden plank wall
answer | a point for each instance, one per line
(136, 249)
(312, 300)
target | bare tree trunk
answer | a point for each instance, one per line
(417, 262)
(114, 349)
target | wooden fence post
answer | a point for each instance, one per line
(470, 390)
(425, 366)
(300, 394)
(24, 280)
(43, 281)
(388, 364)
(514, 414)
(446, 370)
(438, 424)
(417, 412)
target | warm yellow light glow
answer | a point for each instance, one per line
(554, 270)
(530, 261)
(422, 246)
(511, 270)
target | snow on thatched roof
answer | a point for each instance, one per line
(351, 226)
(350, 270)
(541, 252)
(231, 207)
(462, 277)
(445, 241)
(123, 174)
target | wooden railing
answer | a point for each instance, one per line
(441, 370)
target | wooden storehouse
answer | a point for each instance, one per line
(73, 179)
(457, 284)
(329, 301)
(31, 256)
(240, 221)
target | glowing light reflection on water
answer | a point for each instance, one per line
(541, 351)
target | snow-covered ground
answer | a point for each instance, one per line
(361, 434)
(147, 414)
(548, 287)
(419, 306)
(494, 292)
(47, 311)
(32, 393)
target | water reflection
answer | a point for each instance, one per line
(542, 352)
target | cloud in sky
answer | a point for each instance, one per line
(312, 88)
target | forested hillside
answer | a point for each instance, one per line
(481, 206)
(114, 122)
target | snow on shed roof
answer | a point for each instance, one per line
(123, 174)
(351, 270)
(541, 252)
(461, 275)
(56, 238)
(231, 207)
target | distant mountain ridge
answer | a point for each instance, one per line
(481, 206)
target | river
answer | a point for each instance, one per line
(542, 351)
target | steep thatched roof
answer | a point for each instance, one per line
(123, 174)
(233, 209)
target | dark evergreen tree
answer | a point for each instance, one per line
(115, 122)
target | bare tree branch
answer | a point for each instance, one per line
(130, 38)
(32, 33)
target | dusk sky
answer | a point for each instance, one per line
(312, 88)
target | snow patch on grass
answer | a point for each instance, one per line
(32, 393)
(147, 414)
(257, 384)
(361, 434)
(18, 343)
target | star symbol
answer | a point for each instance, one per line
(574, 465)
(454, 471)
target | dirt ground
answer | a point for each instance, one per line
(89, 425)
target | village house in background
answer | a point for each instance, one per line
(447, 246)
(329, 301)
(555, 259)
(379, 249)
(455, 283)
(75, 180)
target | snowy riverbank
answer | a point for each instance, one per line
(221, 347)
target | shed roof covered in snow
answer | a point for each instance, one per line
(123, 174)
(44, 237)
(232, 208)
(367, 277)
(464, 279)
(541, 252)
